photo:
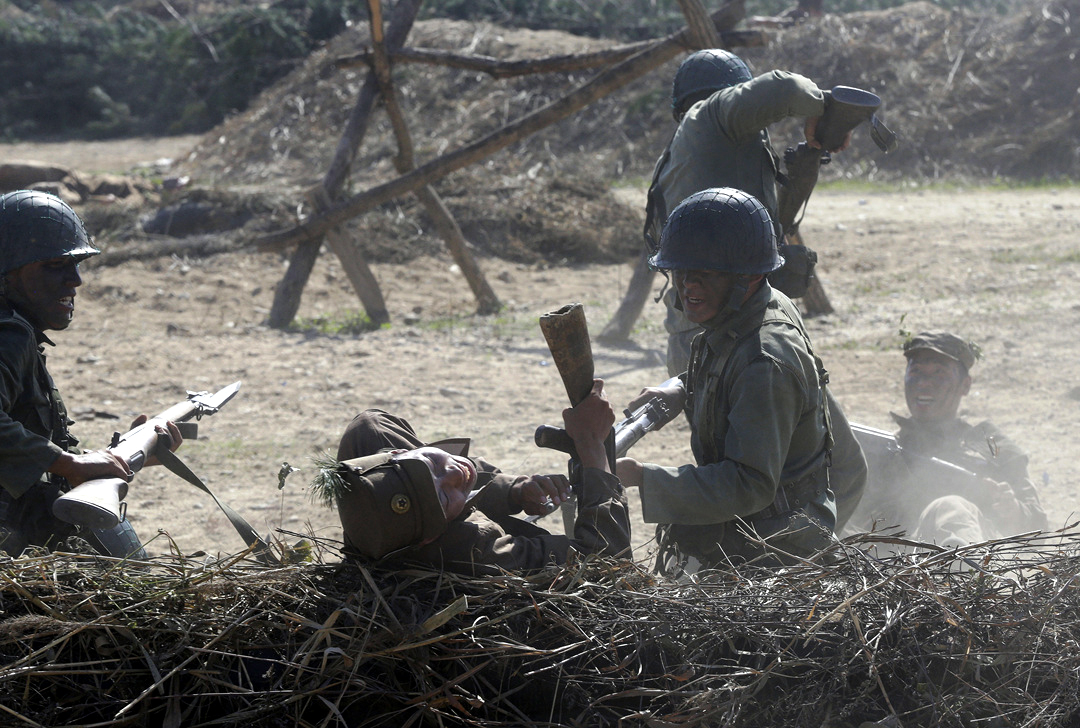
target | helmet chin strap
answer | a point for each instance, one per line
(663, 290)
(738, 293)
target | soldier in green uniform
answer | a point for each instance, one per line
(405, 500)
(722, 140)
(42, 241)
(941, 505)
(754, 393)
(723, 113)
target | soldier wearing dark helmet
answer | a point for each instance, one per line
(722, 140)
(761, 430)
(401, 499)
(42, 242)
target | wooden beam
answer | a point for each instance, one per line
(310, 231)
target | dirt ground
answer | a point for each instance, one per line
(1001, 267)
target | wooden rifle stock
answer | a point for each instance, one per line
(567, 336)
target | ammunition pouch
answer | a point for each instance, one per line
(793, 278)
(680, 546)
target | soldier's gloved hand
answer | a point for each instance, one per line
(810, 130)
(539, 495)
(1005, 506)
(630, 472)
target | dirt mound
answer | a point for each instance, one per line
(970, 95)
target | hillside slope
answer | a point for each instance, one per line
(971, 96)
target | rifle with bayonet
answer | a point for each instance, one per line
(99, 503)
(946, 478)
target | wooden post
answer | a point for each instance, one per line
(486, 300)
(310, 231)
(289, 290)
(637, 293)
(702, 34)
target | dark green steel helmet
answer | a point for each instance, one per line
(721, 229)
(37, 226)
(705, 72)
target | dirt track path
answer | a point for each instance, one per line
(1001, 267)
(964, 261)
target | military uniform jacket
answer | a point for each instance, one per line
(488, 535)
(723, 141)
(759, 425)
(33, 421)
(898, 495)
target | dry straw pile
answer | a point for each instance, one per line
(988, 636)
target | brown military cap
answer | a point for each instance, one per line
(389, 504)
(945, 343)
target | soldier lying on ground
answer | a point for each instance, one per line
(407, 500)
(935, 504)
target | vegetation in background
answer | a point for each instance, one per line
(110, 68)
(103, 69)
(641, 19)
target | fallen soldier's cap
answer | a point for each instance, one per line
(388, 505)
(945, 343)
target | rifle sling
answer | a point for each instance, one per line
(259, 546)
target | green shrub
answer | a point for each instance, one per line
(113, 68)
(121, 67)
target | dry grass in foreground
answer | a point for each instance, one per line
(988, 636)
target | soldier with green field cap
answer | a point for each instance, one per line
(42, 243)
(995, 497)
(401, 499)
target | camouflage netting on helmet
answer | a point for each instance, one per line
(721, 229)
(36, 226)
(938, 638)
(705, 71)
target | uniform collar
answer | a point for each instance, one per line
(39, 335)
(927, 436)
(730, 324)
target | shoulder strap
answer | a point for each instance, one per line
(792, 316)
(259, 546)
(655, 206)
(55, 421)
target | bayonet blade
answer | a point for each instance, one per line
(208, 403)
